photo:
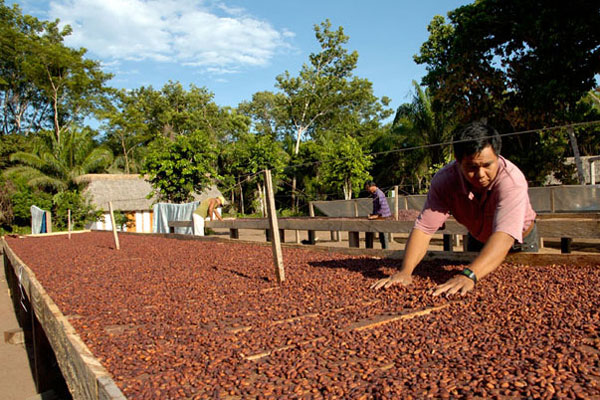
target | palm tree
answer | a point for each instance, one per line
(55, 166)
(417, 124)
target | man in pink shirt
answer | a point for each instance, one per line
(484, 192)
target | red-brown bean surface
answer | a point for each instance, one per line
(196, 319)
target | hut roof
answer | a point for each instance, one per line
(127, 192)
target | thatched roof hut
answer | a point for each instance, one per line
(127, 192)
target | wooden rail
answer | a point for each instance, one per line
(557, 225)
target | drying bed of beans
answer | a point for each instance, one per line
(198, 319)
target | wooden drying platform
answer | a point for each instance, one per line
(83, 373)
(87, 378)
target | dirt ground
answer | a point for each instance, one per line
(16, 380)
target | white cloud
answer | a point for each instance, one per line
(186, 31)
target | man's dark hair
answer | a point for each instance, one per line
(472, 138)
(370, 183)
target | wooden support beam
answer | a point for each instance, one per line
(447, 242)
(312, 238)
(369, 239)
(274, 228)
(565, 245)
(48, 222)
(353, 239)
(69, 222)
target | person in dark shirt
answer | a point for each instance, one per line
(381, 209)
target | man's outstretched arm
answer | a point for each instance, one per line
(491, 256)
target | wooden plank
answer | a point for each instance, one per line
(432, 255)
(555, 226)
(386, 319)
(267, 353)
(85, 376)
(54, 233)
(114, 226)
(180, 224)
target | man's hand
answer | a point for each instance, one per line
(399, 277)
(373, 216)
(454, 285)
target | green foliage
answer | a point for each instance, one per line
(22, 197)
(525, 61)
(344, 166)
(176, 169)
(55, 165)
(43, 83)
(520, 64)
(82, 211)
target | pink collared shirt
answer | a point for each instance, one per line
(504, 207)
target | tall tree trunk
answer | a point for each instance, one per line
(578, 162)
(242, 199)
(347, 190)
(299, 133)
(125, 155)
(294, 205)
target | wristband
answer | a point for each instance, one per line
(469, 274)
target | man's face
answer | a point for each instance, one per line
(481, 168)
(372, 189)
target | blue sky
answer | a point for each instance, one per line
(237, 47)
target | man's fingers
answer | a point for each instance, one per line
(377, 285)
(441, 289)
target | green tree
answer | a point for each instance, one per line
(326, 92)
(43, 83)
(179, 168)
(55, 166)
(344, 166)
(421, 130)
(251, 154)
(520, 64)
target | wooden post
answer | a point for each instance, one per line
(565, 245)
(355, 203)
(114, 225)
(353, 239)
(69, 222)
(552, 200)
(406, 202)
(396, 200)
(48, 222)
(297, 234)
(311, 213)
(369, 238)
(274, 224)
(447, 242)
